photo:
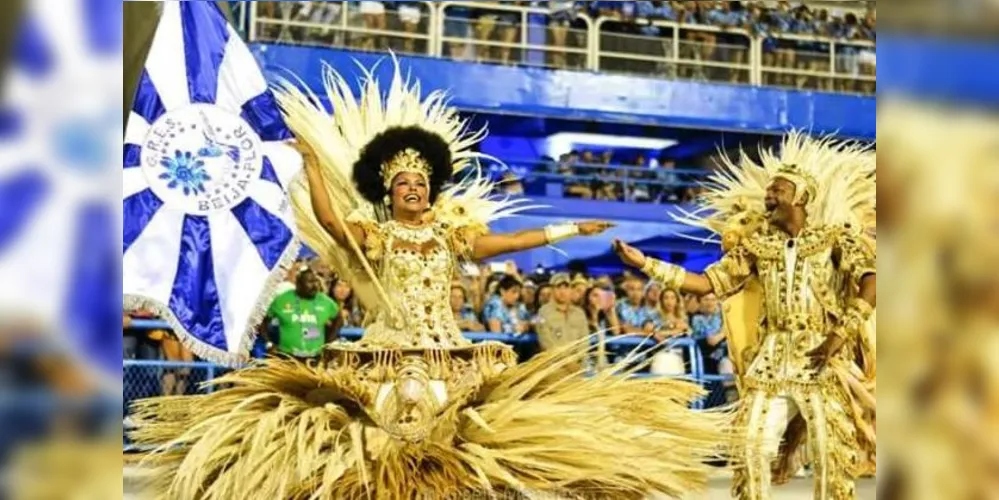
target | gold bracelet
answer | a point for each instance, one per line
(671, 276)
(555, 233)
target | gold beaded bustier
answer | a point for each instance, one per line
(417, 268)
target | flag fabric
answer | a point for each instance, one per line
(60, 132)
(207, 226)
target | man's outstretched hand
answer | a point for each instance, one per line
(629, 254)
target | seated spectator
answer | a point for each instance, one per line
(306, 318)
(670, 316)
(782, 22)
(653, 291)
(638, 190)
(139, 344)
(508, 33)
(560, 17)
(463, 312)
(409, 14)
(504, 313)
(528, 296)
(350, 315)
(579, 285)
(511, 184)
(707, 329)
(175, 380)
(760, 24)
(374, 19)
(544, 296)
(457, 25)
(288, 283)
(581, 167)
(560, 322)
(636, 318)
(322, 13)
(671, 322)
(691, 304)
(501, 26)
(601, 311)
(820, 63)
(867, 58)
(669, 189)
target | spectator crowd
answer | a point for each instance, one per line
(713, 36)
(313, 305)
(638, 178)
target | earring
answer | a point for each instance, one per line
(388, 200)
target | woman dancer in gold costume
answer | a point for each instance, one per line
(413, 409)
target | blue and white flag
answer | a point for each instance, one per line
(207, 223)
(60, 132)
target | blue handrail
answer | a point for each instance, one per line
(629, 342)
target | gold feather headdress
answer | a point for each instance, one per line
(339, 139)
(839, 177)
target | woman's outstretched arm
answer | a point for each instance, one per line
(492, 245)
(331, 222)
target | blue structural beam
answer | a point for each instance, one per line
(961, 71)
(585, 96)
(635, 223)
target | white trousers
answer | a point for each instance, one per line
(831, 439)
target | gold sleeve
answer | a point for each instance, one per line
(374, 239)
(729, 275)
(857, 257)
(669, 275)
(462, 239)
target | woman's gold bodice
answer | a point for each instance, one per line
(416, 269)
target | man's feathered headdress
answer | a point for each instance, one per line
(839, 177)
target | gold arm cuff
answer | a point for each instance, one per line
(671, 276)
(555, 233)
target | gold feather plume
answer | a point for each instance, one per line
(542, 426)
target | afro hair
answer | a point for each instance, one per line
(432, 147)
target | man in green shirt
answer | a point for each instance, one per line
(306, 317)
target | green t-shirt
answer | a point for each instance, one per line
(302, 322)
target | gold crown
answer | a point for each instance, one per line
(802, 180)
(407, 160)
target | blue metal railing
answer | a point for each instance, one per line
(617, 345)
(612, 173)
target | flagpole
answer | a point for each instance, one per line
(138, 27)
(10, 16)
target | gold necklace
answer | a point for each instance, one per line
(411, 234)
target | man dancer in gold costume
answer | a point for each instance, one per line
(799, 276)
